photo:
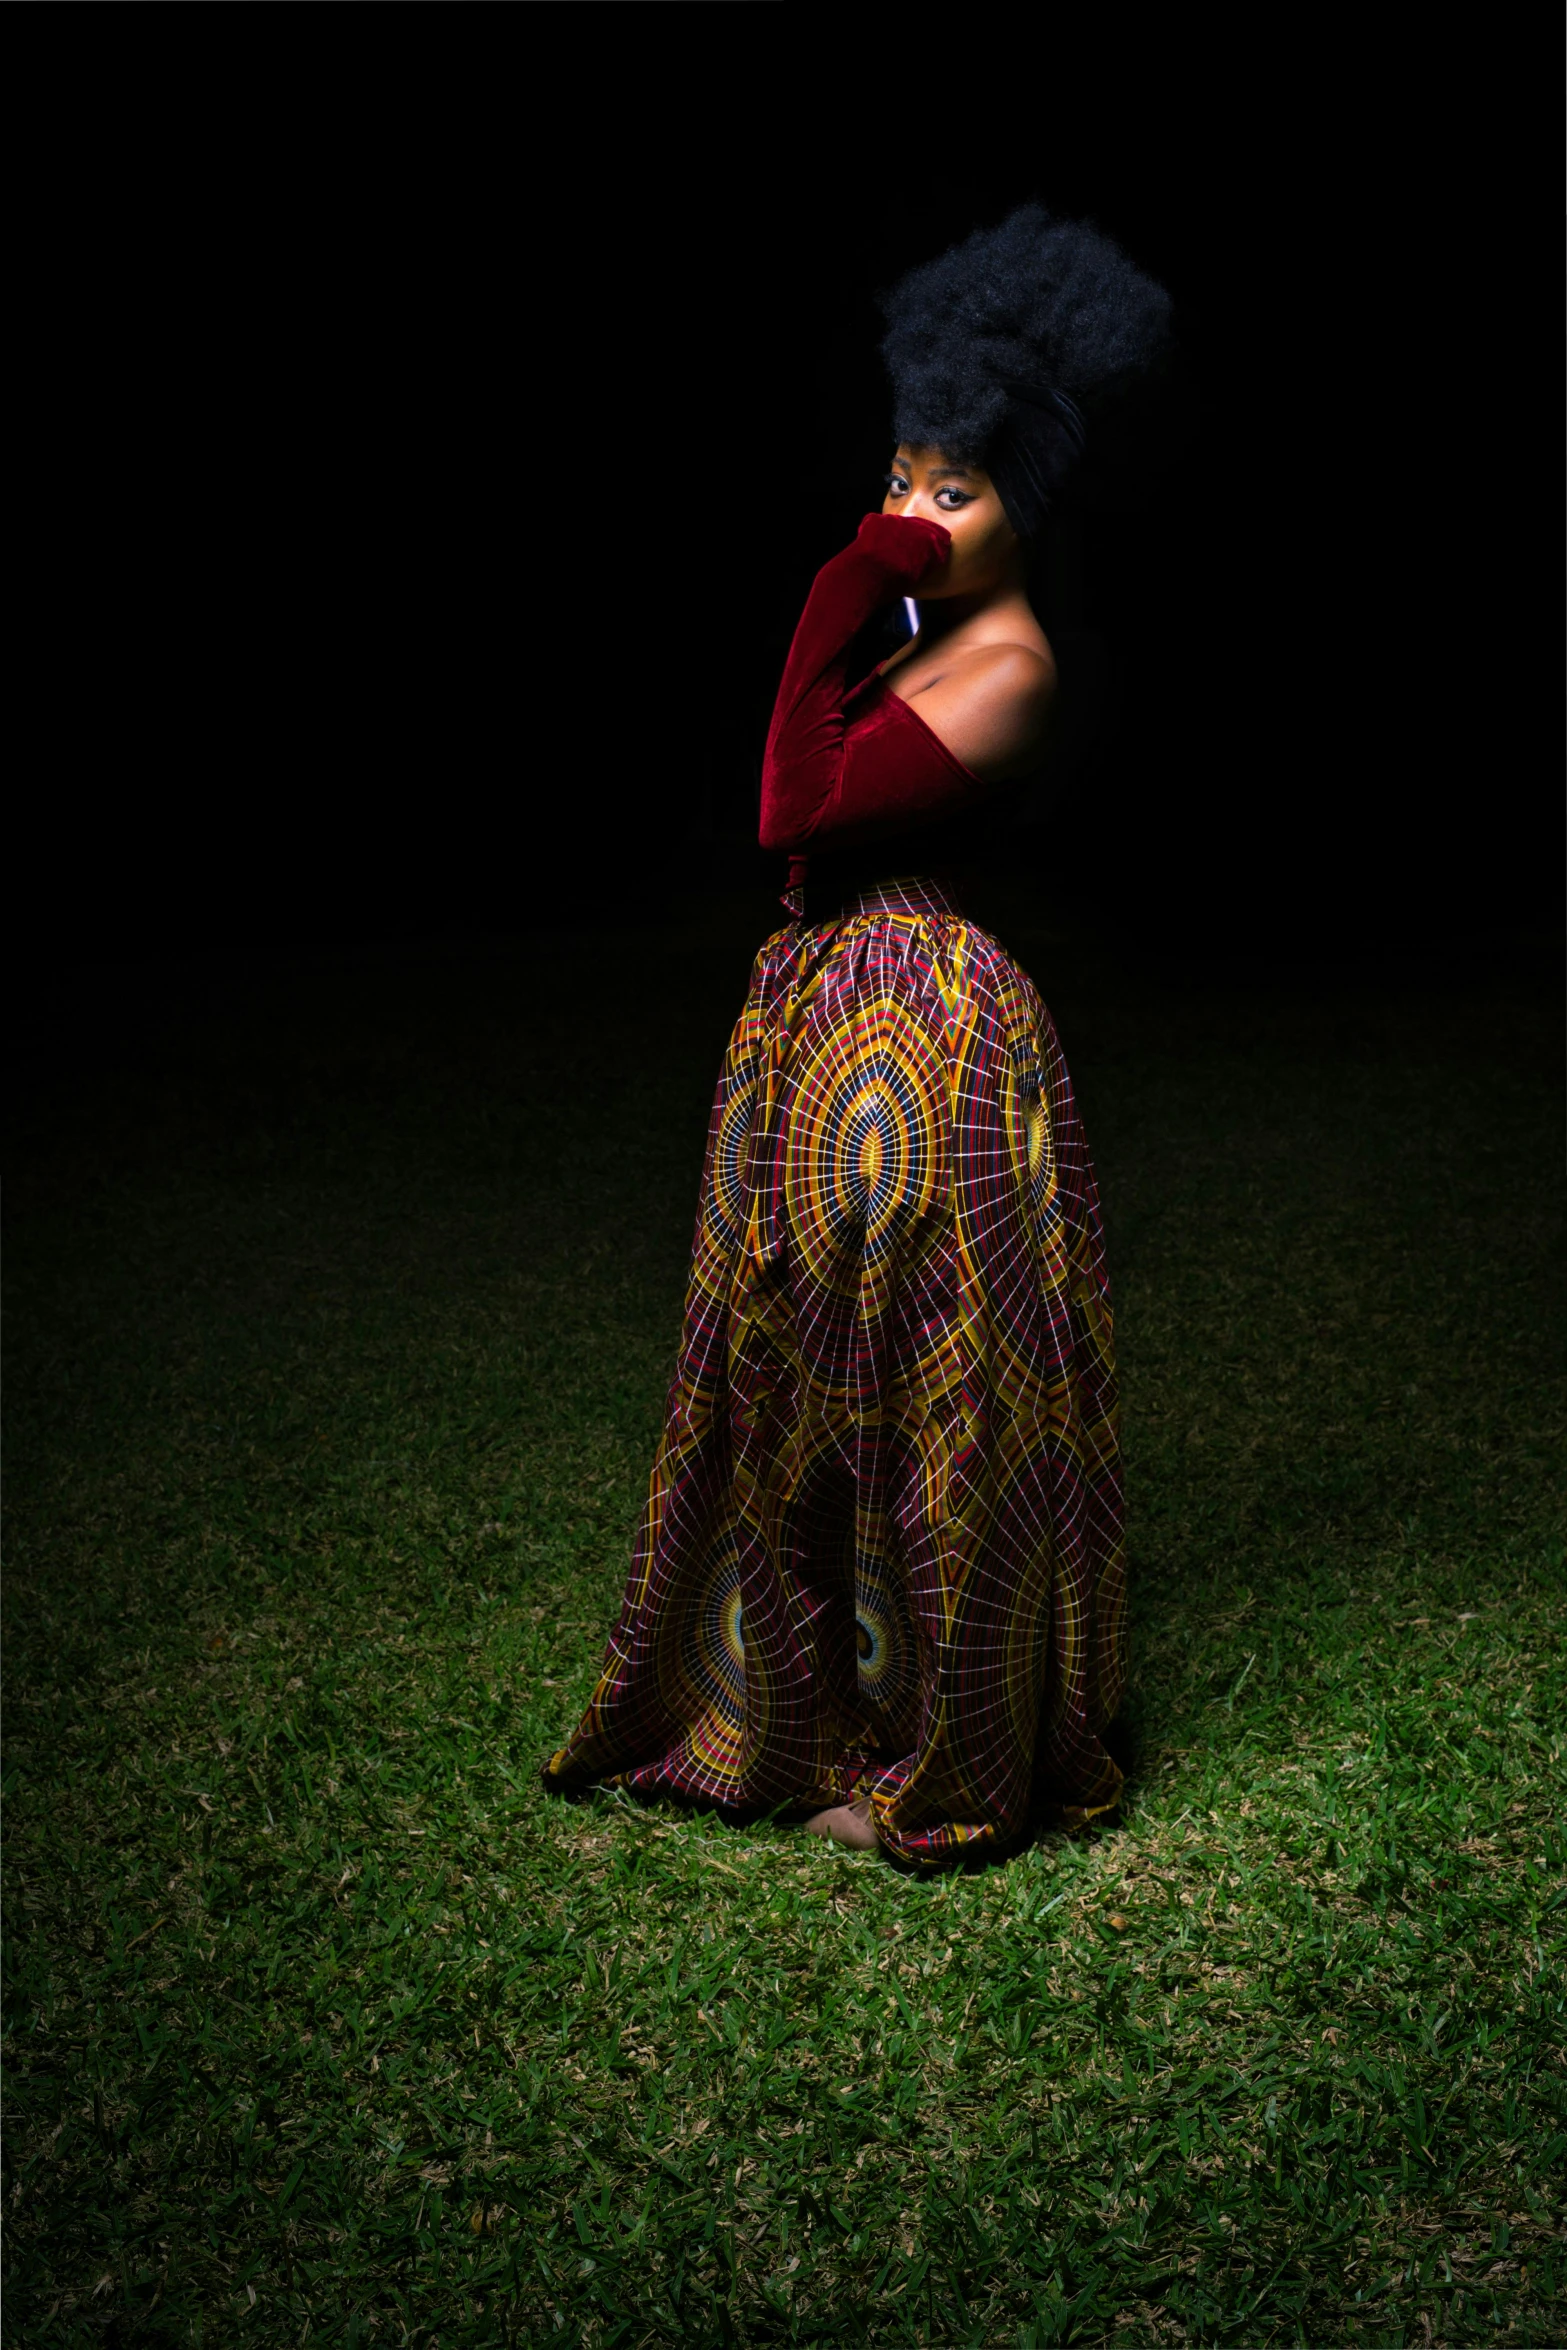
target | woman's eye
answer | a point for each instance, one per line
(952, 499)
(896, 485)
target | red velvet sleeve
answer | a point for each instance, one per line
(827, 782)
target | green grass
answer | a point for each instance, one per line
(340, 1326)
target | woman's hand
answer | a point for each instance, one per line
(907, 546)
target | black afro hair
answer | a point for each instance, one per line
(1053, 303)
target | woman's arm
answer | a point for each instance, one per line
(802, 770)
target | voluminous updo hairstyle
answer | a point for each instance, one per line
(994, 347)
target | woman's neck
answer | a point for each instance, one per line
(1001, 615)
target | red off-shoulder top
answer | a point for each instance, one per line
(847, 766)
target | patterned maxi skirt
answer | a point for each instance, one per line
(882, 1550)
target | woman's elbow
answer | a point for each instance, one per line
(777, 836)
(785, 830)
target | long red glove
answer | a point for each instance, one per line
(829, 781)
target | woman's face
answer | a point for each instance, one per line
(962, 498)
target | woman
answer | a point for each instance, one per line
(879, 1581)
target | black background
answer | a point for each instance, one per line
(432, 458)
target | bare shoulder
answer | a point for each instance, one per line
(1011, 668)
(1026, 673)
(990, 704)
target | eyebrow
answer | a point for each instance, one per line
(941, 473)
